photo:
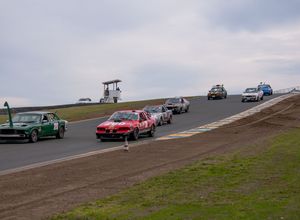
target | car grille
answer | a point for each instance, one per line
(11, 131)
(110, 131)
(171, 106)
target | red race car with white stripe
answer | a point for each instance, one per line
(129, 123)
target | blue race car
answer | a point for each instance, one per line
(266, 88)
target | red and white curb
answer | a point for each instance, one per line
(225, 121)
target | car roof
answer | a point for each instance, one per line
(218, 85)
(266, 85)
(154, 105)
(177, 97)
(133, 111)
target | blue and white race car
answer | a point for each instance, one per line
(266, 88)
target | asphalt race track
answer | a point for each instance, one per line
(81, 137)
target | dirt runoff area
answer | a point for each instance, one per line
(41, 192)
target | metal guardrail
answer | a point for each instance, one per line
(288, 90)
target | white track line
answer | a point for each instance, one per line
(91, 153)
(228, 120)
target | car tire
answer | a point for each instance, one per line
(33, 138)
(187, 109)
(169, 120)
(262, 98)
(135, 134)
(152, 131)
(160, 122)
(179, 111)
(60, 133)
(243, 100)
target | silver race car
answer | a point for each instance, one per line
(160, 113)
(178, 105)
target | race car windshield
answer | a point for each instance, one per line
(264, 86)
(120, 116)
(170, 101)
(152, 109)
(215, 90)
(26, 118)
(251, 90)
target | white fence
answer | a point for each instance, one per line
(288, 90)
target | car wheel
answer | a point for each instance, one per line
(135, 134)
(61, 133)
(262, 98)
(243, 100)
(179, 111)
(152, 131)
(160, 122)
(208, 98)
(187, 109)
(169, 120)
(33, 136)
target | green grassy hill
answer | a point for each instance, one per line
(260, 185)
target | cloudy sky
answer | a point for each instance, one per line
(57, 51)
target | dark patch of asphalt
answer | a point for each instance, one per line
(81, 138)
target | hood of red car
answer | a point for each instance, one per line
(116, 125)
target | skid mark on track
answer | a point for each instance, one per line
(225, 121)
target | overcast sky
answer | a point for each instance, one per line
(57, 51)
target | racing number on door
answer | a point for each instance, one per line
(53, 123)
(55, 128)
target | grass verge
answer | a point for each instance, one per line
(263, 185)
(3, 118)
(94, 111)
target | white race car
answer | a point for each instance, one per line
(84, 101)
(252, 94)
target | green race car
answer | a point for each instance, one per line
(32, 126)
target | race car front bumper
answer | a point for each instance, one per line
(249, 98)
(215, 96)
(13, 136)
(112, 135)
(8, 134)
(174, 109)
